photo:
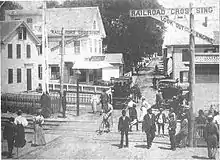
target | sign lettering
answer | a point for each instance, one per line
(170, 11)
(187, 29)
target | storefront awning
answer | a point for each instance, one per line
(91, 65)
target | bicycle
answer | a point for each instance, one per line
(104, 124)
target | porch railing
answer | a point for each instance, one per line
(73, 87)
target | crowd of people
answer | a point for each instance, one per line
(156, 122)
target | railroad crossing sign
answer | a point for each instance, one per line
(165, 19)
(162, 15)
(170, 11)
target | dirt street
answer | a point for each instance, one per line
(79, 139)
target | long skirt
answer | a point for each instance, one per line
(20, 136)
(143, 113)
(39, 138)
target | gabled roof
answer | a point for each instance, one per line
(78, 18)
(116, 58)
(8, 27)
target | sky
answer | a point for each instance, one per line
(31, 4)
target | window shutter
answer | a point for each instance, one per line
(18, 51)
(10, 76)
(9, 50)
(28, 51)
(18, 75)
(24, 33)
(20, 33)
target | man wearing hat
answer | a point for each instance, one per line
(9, 135)
(133, 117)
(161, 120)
(149, 127)
(123, 127)
(211, 137)
(181, 137)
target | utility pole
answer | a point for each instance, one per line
(44, 88)
(62, 67)
(46, 48)
(191, 77)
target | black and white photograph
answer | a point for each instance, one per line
(110, 79)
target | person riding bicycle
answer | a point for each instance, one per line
(107, 117)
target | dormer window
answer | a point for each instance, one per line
(29, 20)
(94, 25)
(22, 33)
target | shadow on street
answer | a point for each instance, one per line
(199, 157)
(141, 146)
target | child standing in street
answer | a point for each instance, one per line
(123, 127)
(172, 132)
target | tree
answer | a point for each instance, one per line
(8, 5)
(134, 37)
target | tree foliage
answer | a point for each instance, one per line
(7, 5)
(134, 37)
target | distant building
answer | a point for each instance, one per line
(177, 57)
(20, 57)
(117, 62)
(84, 34)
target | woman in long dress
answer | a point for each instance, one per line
(39, 138)
(20, 123)
(144, 107)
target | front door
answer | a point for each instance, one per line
(29, 84)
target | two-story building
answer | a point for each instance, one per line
(176, 58)
(20, 58)
(84, 32)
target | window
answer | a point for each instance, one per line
(18, 50)
(77, 47)
(40, 71)
(95, 44)
(28, 51)
(18, 75)
(10, 76)
(39, 50)
(29, 20)
(185, 55)
(22, 33)
(9, 50)
(90, 45)
(71, 72)
(100, 46)
(94, 25)
(55, 73)
(184, 76)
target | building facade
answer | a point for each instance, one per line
(20, 57)
(177, 57)
(83, 38)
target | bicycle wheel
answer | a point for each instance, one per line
(101, 127)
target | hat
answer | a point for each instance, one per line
(210, 116)
(19, 112)
(174, 97)
(143, 98)
(160, 109)
(150, 109)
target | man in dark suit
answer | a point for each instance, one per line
(133, 116)
(149, 127)
(9, 135)
(123, 127)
